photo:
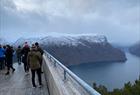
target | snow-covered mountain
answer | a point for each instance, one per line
(64, 40)
(72, 40)
(77, 49)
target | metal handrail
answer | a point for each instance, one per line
(90, 90)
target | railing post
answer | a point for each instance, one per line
(50, 58)
(65, 74)
(54, 63)
(47, 55)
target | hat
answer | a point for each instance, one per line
(25, 44)
(37, 44)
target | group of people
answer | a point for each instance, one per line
(31, 57)
(6, 58)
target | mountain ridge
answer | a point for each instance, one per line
(73, 50)
(63, 40)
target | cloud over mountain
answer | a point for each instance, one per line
(114, 18)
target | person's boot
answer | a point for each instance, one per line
(13, 70)
(7, 73)
(34, 86)
(40, 85)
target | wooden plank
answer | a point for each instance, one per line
(18, 83)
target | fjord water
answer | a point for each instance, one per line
(111, 75)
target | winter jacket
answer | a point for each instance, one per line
(18, 52)
(24, 53)
(33, 59)
(2, 53)
(9, 55)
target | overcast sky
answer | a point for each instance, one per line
(119, 20)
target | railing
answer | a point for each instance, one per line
(66, 71)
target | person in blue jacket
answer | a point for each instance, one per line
(2, 56)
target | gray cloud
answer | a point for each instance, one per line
(117, 19)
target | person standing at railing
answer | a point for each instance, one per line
(41, 51)
(34, 57)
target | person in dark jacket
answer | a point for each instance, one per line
(25, 50)
(18, 53)
(9, 58)
(33, 59)
(4, 47)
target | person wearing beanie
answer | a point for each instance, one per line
(24, 52)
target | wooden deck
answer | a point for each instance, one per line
(18, 83)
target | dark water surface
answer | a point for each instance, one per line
(112, 75)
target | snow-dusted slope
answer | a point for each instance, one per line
(77, 49)
(64, 40)
(72, 40)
